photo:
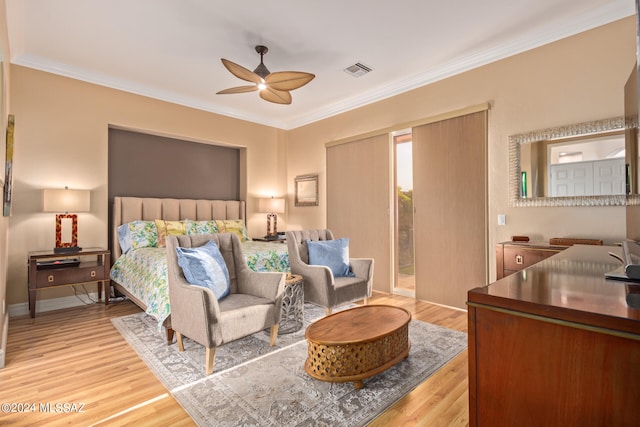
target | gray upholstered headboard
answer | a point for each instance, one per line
(127, 209)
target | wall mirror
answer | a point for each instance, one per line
(575, 165)
(306, 190)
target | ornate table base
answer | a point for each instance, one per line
(292, 305)
(357, 343)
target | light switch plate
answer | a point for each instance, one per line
(502, 219)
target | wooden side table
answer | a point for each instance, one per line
(48, 270)
(292, 305)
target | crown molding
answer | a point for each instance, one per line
(546, 35)
(63, 70)
(596, 18)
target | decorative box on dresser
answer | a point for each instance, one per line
(555, 344)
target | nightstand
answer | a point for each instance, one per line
(48, 270)
(282, 239)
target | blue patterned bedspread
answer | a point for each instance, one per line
(143, 272)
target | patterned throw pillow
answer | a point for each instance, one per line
(201, 227)
(204, 266)
(235, 226)
(332, 253)
(143, 234)
(168, 228)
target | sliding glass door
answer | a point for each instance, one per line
(404, 252)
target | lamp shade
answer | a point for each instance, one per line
(65, 200)
(271, 205)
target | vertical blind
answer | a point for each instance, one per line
(358, 198)
(450, 198)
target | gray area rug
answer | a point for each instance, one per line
(254, 384)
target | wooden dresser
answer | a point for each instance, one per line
(515, 256)
(555, 344)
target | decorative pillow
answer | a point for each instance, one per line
(143, 234)
(168, 228)
(124, 238)
(332, 253)
(235, 226)
(204, 266)
(201, 227)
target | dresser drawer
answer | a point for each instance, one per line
(516, 258)
(65, 276)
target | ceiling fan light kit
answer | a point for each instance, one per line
(273, 87)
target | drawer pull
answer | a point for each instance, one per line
(93, 273)
(50, 278)
(519, 259)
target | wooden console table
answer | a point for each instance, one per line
(555, 344)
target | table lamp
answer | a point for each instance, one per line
(65, 200)
(272, 206)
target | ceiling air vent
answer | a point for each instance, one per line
(358, 69)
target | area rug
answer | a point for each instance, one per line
(257, 385)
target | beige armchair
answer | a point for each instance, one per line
(253, 304)
(320, 286)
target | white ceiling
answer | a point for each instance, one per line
(171, 49)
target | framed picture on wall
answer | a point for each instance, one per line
(306, 190)
(7, 190)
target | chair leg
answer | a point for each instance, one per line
(210, 357)
(170, 333)
(179, 339)
(328, 311)
(274, 334)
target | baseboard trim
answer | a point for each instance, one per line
(51, 304)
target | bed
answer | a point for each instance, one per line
(140, 272)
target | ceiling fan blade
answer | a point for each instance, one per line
(238, 89)
(240, 72)
(277, 96)
(288, 80)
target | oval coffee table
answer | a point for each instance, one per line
(357, 343)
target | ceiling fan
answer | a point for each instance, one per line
(273, 87)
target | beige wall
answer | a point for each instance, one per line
(573, 80)
(61, 139)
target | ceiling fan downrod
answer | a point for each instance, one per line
(261, 69)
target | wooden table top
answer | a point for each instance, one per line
(568, 286)
(358, 324)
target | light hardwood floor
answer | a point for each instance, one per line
(76, 356)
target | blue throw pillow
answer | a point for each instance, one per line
(332, 253)
(124, 237)
(204, 266)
